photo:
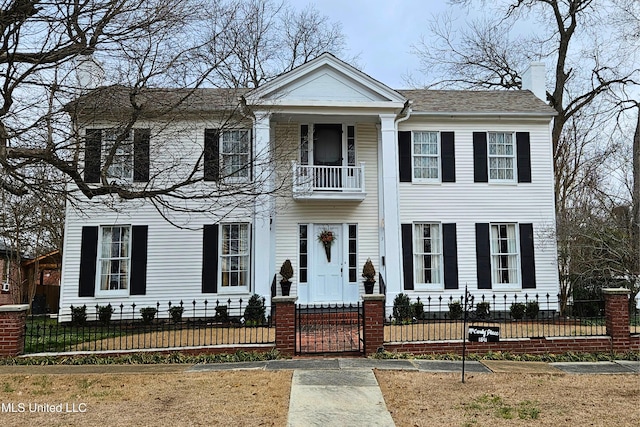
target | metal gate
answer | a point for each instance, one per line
(329, 328)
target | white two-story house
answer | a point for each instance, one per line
(440, 189)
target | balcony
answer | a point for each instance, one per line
(313, 182)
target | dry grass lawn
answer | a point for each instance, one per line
(428, 399)
(261, 398)
(241, 398)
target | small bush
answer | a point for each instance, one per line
(254, 314)
(517, 310)
(483, 310)
(104, 313)
(402, 308)
(176, 313)
(418, 310)
(79, 315)
(532, 309)
(148, 314)
(286, 271)
(368, 271)
(222, 315)
(455, 310)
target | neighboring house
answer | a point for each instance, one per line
(42, 281)
(441, 189)
(10, 275)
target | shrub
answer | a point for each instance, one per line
(455, 310)
(402, 308)
(222, 315)
(254, 314)
(483, 310)
(368, 271)
(148, 313)
(176, 313)
(286, 271)
(104, 313)
(517, 310)
(418, 310)
(79, 315)
(532, 309)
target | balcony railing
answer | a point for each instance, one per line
(328, 182)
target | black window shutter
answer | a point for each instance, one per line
(141, 139)
(92, 154)
(139, 259)
(211, 154)
(480, 173)
(527, 257)
(88, 259)
(407, 255)
(483, 256)
(450, 253)
(404, 154)
(523, 149)
(210, 259)
(448, 159)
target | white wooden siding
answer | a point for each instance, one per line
(290, 213)
(466, 203)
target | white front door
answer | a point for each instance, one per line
(327, 282)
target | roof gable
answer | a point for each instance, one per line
(328, 79)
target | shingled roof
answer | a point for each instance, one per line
(476, 101)
(115, 99)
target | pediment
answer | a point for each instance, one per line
(325, 79)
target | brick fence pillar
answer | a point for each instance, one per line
(285, 322)
(616, 310)
(13, 319)
(373, 330)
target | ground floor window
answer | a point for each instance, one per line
(234, 255)
(427, 253)
(114, 259)
(504, 254)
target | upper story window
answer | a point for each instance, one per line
(121, 165)
(502, 156)
(114, 259)
(227, 154)
(504, 254)
(235, 151)
(426, 156)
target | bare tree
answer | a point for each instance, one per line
(266, 38)
(132, 48)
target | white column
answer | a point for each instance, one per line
(263, 207)
(390, 221)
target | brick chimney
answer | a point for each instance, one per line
(533, 79)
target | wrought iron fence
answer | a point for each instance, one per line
(133, 326)
(441, 318)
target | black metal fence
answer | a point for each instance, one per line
(133, 326)
(329, 328)
(442, 318)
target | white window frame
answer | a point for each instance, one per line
(436, 253)
(100, 259)
(502, 156)
(513, 258)
(436, 156)
(222, 288)
(226, 156)
(123, 157)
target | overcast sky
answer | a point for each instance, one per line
(381, 32)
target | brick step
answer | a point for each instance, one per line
(328, 318)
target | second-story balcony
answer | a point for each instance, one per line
(328, 182)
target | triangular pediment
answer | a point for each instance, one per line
(325, 79)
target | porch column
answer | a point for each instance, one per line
(390, 221)
(263, 206)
